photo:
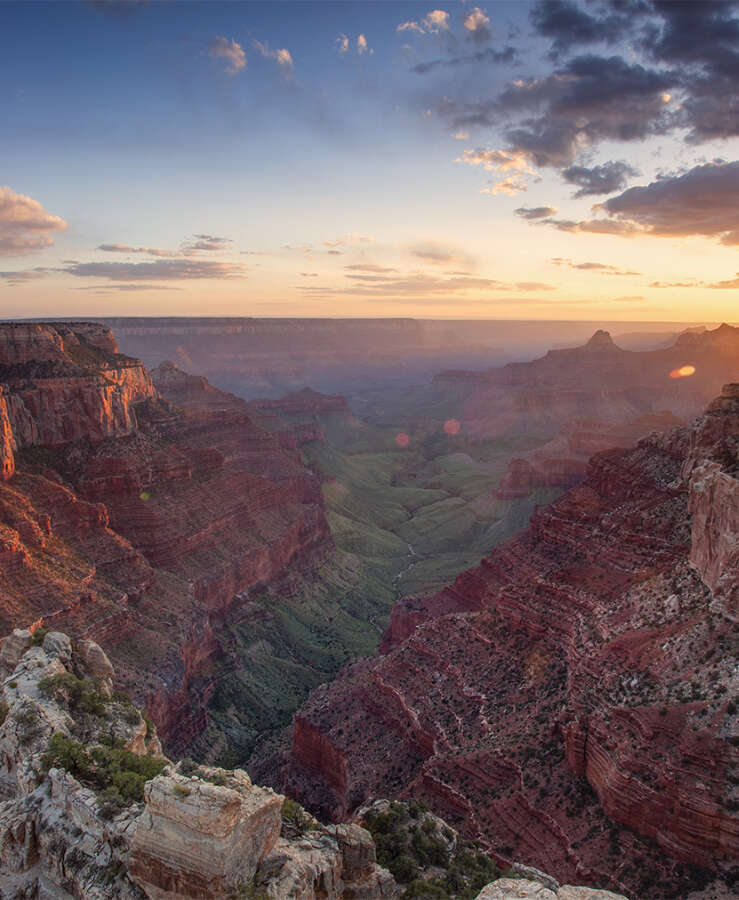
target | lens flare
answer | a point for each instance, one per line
(452, 426)
(144, 495)
(402, 439)
(682, 372)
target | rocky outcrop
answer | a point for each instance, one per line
(196, 839)
(523, 889)
(586, 664)
(66, 382)
(76, 819)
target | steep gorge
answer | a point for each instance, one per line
(586, 664)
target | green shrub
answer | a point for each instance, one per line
(80, 694)
(118, 775)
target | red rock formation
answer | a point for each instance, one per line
(598, 382)
(574, 683)
(7, 460)
(136, 514)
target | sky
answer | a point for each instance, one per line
(552, 160)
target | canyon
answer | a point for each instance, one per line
(570, 702)
(567, 700)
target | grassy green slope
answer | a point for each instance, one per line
(404, 520)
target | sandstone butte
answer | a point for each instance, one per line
(68, 829)
(138, 509)
(571, 702)
(590, 398)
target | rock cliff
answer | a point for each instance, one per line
(139, 513)
(587, 664)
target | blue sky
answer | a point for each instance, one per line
(369, 159)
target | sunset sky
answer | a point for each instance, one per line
(507, 160)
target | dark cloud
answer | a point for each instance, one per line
(568, 24)
(587, 100)
(703, 201)
(161, 270)
(675, 284)
(507, 55)
(603, 179)
(535, 212)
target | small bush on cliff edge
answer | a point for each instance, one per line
(117, 774)
(409, 843)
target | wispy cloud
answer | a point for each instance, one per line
(281, 56)
(160, 270)
(25, 225)
(437, 20)
(600, 268)
(231, 52)
(514, 166)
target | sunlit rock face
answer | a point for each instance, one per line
(570, 702)
(140, 512)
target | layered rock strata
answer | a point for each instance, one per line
(140, 513)
(588, 663)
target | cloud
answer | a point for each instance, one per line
(342, 43)
(437, 20)
(309, 274)
(476, 22)
(349, 238)
(675, 284)
(515, 165)
(536, 212)
(369, 267)
(25, 275)
(161, 270)
(603, 179)
(362, 46)
(202, 242)
(419, 283)
(593, 226)
(208, 242)
(110, 288)
(703, 201)
(127, 248)
(587, 100)
(230, 51)
(702, 41)
(601, 268)
(568, 24)
(507, 55)
(282, 57)
(731, 284)
(437, 253)
(25, 225)
(631, 299)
